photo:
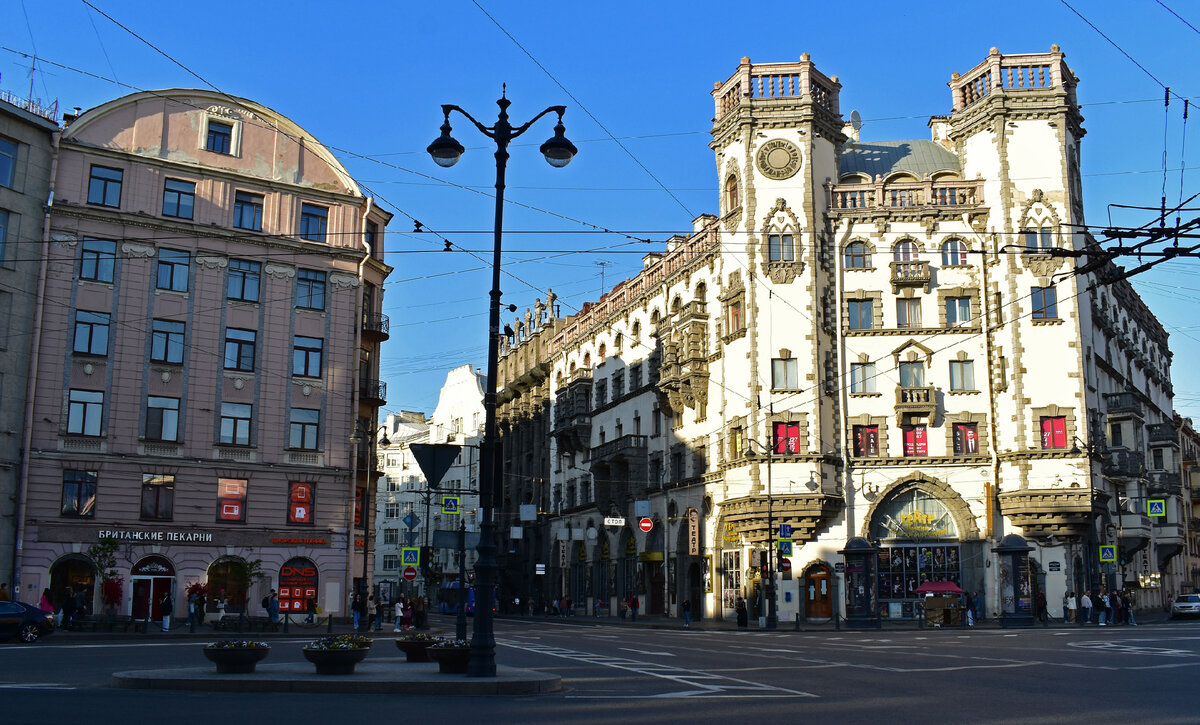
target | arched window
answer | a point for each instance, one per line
(954, 253)
(731, 193)
(857, 256)
(905, 251)
(780, 248)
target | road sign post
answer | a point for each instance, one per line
(646, 524)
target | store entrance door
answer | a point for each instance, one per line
(818, 601)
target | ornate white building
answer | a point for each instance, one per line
(877, 339)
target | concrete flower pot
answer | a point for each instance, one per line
(336, 661)
(236, 660)
(451, 660)
(415, 650)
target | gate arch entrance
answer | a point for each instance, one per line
(151, 579)
(70, 575)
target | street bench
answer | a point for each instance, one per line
(101, 623)
(248, 624)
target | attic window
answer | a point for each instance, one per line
(221, 132)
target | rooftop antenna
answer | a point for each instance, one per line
(602, 265)
(856, 123)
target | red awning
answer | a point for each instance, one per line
(939, 588)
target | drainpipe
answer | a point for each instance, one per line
(354, 397)
(31, 377)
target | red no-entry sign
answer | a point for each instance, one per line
(410, 573)
(645, 524)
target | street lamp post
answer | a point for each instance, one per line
(1093, 542)
(360, 434)
(446, 151)
(769, 567)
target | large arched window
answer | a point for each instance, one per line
(731, 193)
(954, 253)
(858, 256)
(905, 251)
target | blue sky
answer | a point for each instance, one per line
(368, 78)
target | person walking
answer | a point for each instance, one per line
(1102, 608)
(419, 619)
(168, 604)
(1041, 605)
(634, 606)
(978, 600)
(1085, 607)
(381, 608)
(1127, 600)
(46, 604)
(686, 608)
(398, 610)
(969, 605)
(222, 602)
(68, 609)
(310, 608)
(1114, 604)
(743, 616)
(273, 610)
(1072, 605)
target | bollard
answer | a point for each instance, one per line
(329, 624)
(241, 618)
(797, 621)
(287, 617)
(191, 624)
(837, 622)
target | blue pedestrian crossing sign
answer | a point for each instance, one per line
(1108, 554)
(785, 547)
(450, 505)
(1156, 507)
(410, 556)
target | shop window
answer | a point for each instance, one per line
(786, 437)
(915, 440)
(231, 499)
(1054, 432)
(866, 440)
(301, 500)
(966, 438)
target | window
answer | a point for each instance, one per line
(173, 270)
(618, 386)
(786, 437)
(734, 320)
(391, 537)
(912, 375)
(1054, 431)
(858, 256)
(1038, 239)
(305, 429)
(243, 280)
(915, 443)
(301, 501)
(310, 289)
(220, 137)
(905, 251)
(162, 419)
(731, 193)
(954, 253)
(369, 234)
(247, 211)
(866, 440)
(1156, 459)
(861, 314)
(97, 260)
(313, 220)
(390, 562)
(158, 496)
(962, 375)
(737, 442)
(231, 499)
(908, 312)
(391, 511)
(862, 377)
(4, 224)
(780, 248)
(958, 311)
(635, 377)
(8, 162)
(179, 198)
(785, 374)
(239, 349)
(104, 186)
(235, 423)
(966, 438)
(306, 356)
(166, 342)
(91, 333)
(85, 408)
(601, 392)
(1045, 303)
(79, 493)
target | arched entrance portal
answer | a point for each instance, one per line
(818, 599)
(918, 543)
(227, 575)
(151, 579)
(70, 575)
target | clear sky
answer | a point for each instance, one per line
(368, 78)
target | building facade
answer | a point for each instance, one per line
(28, 135)
(208, 384)
(881, 343)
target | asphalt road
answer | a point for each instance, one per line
(613, 674)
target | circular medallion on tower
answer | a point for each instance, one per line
(779, 159)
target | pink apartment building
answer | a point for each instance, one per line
(207, 374)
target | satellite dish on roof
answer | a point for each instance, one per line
(855, 120)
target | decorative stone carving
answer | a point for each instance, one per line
(781, 220)
(137, 249)
(211, 262)
(778, 159)
(341, 280)
(279, 271)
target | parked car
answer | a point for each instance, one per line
(1185, 605)
(24, 621)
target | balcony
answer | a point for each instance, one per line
(372, 392)
(1161, 433)
(808, 513)
(1124, 463)
(914, 195)
(913, 273)
(626, 446)
(1164, 483)
(1134, 532)
(916, 401)
(1048, 511)
(375, 327)
(1122, 405)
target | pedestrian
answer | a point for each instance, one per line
(634, 606)
(1072, 605)
(273, 610)
(978, 599)
(46, 604)
(68, 609)
(1085, 607)
(970, 607)
(168, 604)
(222, 602)
(1040, 603)
(743, 617)
(381, 608)
(1102, 607)
(310, 608)
(420, 620)
(1114, 604)
(398, 610)
(624, 607)
(406, 618)
(686, 608)
(356, 609)
(1127, 601)
(4, 595)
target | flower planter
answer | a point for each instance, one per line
(336, 661)
(236, 660)
(451, 660)
(415, 650)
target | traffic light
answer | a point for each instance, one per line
(426, 559)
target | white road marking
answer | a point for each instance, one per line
(647, 652)
(35, 686)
